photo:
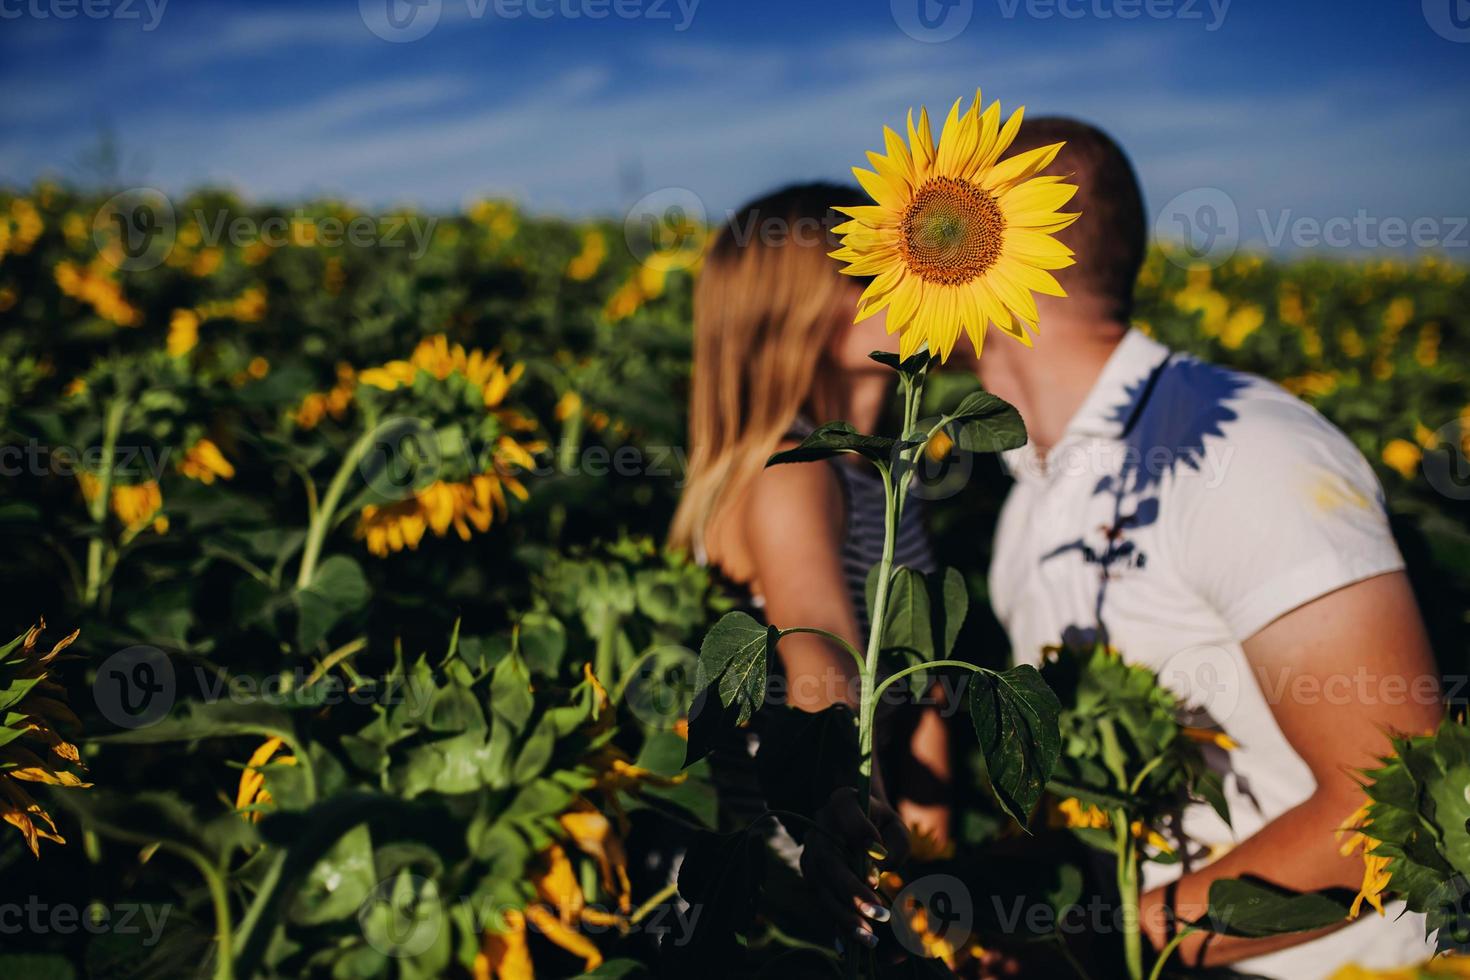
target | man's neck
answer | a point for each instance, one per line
(1049, 384)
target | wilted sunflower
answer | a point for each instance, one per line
(957, 237)
(31, 747)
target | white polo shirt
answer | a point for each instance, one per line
(1186, 507)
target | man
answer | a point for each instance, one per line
(1212, 527)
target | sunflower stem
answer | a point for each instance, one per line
(321, 521)
(1169, 949)
(895, 490)
(1128, 891)
(97, 506)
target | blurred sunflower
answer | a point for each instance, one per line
(204, 462)
(586, 263)
(136, 505)
(645, 283)
(32, 749)
(472, 504)
(1403, 457)
(183, 332)
(438, 358)
(475, 501)
(957, 238)
(1073, 814)
(251, 795)
(504, 953)
(95, 286)
(318, 405)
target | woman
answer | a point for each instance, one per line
(775, 352)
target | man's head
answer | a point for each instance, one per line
(1111, 236)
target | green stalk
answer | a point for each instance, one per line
(895, 490)
(867, 704)
(1128, 890)
(1168, 951)
(605, 657)
(224, 955)
(97, 507)
(322, 519)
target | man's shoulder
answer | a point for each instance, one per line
(1218, 409)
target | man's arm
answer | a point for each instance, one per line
(1367, 640)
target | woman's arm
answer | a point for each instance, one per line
(793, 528)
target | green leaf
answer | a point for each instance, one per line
(664, 753)
(210, 719)
(950, 601)
(833, 439)
(908, 624)
(1016, 718)
(338, 882)
(987, 424)
(337, 589)
(148, 817)
(1252, 909)
(536, 753)
(616, 970)
(543, 643)
(914, 364)
(709, 723)
(36, 966)
(735, 657)
(510, 692)
(454, 709)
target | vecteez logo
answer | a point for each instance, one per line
(932, 21)
(1200, 226)
(400, 21)
(135, 230)
(1450, 19)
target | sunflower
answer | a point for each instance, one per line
(1376, 877)
(204, 462)
(472, 505)
(136, 505)
(252, 796)
(1073, 814)
(32, 749)
(335, 402)
(476, 501)
(957, 237)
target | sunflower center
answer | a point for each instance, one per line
(952, 232)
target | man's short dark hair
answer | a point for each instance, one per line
(1111, 236)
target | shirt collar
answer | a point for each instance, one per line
(1108, 407)
(1111, 404)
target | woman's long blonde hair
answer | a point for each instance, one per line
(766, 306)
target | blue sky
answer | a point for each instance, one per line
(1323, 109)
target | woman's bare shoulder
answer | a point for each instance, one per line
(791, 504)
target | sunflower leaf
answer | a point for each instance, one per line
(913, 365)
(1016, 718)
(833, 439)
(1252, 910)
(987, 424)
(734, 657)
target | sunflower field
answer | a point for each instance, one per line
(344, 641)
